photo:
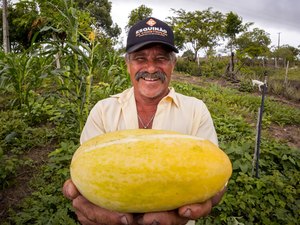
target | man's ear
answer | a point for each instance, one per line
(128, 67)
(174, 63)
(127, 63)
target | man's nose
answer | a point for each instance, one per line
(151, 66)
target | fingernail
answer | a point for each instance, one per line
(124, 220)
(155, 222)
(187, 213)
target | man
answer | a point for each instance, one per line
(149, 104)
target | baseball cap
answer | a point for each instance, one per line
(148, 31)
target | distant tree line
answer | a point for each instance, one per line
(30, 21)
(26, 18)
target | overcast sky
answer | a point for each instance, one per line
(273, 16)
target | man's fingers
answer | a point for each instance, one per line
(83, 220)
(89, 212)
(217, 198)
(195, 211)
(162, 218)
(69, 190)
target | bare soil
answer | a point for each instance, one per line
(288, 134)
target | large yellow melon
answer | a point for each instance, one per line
(148, 170)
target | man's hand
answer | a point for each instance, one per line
(90, 214)
(183, 214)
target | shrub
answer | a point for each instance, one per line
(291, 92)
(276, 87)
(269, 199)
(246, 86)
(188, 67)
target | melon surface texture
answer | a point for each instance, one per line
(148, 170)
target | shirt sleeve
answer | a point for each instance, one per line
(204, 124)
(94, 124)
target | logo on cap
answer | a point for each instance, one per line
(151, 22)
(147, 31)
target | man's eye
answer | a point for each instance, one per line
(161, 59)
(139, 59)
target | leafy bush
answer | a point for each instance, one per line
(16, 139)
(269, 199)
(189, 67)
(230, 129)
(291, 92)
(276, 87)
(246, 86)
(255, 72)
(213, 67)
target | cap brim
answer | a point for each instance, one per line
(141, 45)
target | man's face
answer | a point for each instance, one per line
(150, 71)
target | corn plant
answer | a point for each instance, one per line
(82, 57)
(23, 76)
(75, 60)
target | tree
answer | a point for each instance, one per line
(253, 43)
(286, 53)
(26, 21)
(93, 15)
(189, 55)
(100, 10)
(5, 27)
(138, 14)
(233, 26)
(28, 17)
(200, 29)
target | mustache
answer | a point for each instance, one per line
(159, 75)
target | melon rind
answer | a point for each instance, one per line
(145, 170)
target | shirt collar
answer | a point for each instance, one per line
(127, 94)
(171, 97)
(124, 96)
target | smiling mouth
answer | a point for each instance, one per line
(151, 78)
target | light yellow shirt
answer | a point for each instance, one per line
(175, 112)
